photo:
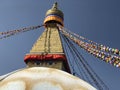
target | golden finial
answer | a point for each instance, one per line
(55, 5)
(54, 15)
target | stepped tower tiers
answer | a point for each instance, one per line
(48, 50)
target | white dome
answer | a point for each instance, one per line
(40, 78)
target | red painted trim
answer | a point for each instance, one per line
(45, 57)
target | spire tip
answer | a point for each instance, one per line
(55, 5)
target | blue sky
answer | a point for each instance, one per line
(97, 20)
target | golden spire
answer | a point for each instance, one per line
(54, 14)
(55, 5)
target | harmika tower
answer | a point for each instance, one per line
(48, 50)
